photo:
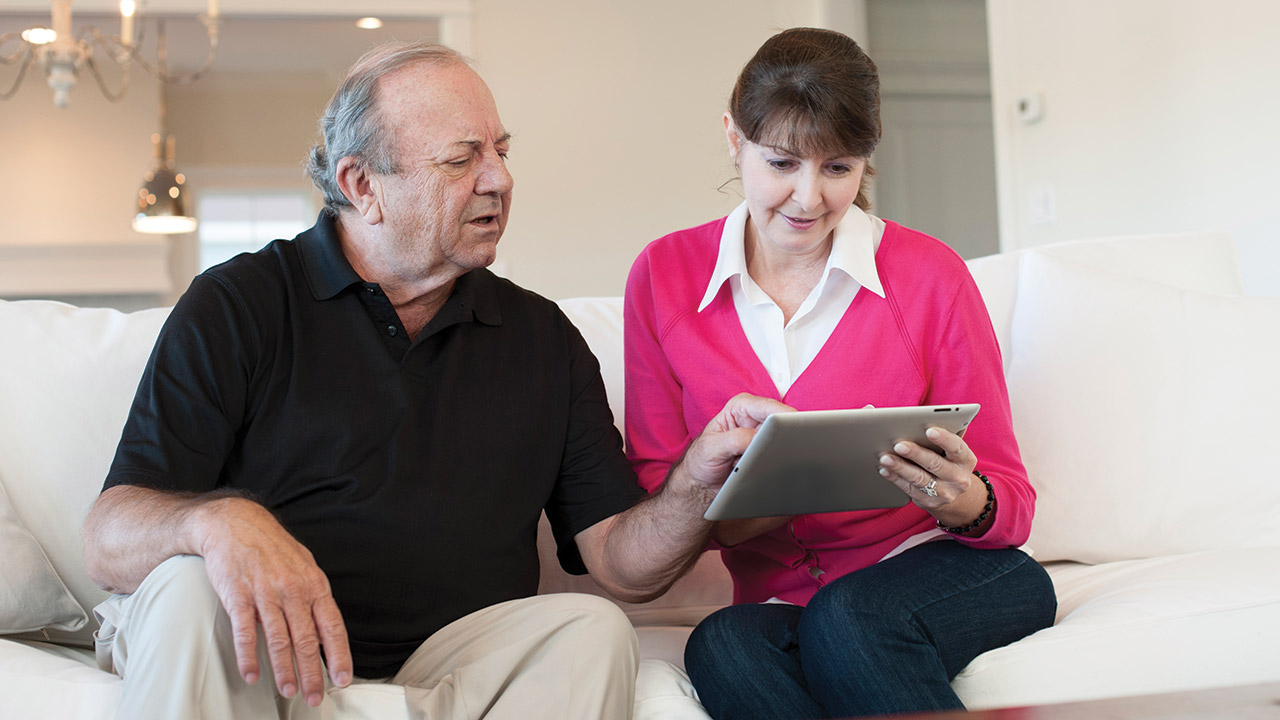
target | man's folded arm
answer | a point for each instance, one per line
(259, 571)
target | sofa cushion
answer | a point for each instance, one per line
(39, 680)
(32, 597)
(1141, 410)
(69, 377)
(1198, 261)
(1167, 624)
(599, 319)
(707, 586)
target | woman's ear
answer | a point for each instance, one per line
(361, 188)
(735, 140)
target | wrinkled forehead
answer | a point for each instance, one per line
(438, 104)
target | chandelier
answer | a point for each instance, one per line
(64, 54)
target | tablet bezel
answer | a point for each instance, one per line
(819, 461)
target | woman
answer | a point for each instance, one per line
(800, 295)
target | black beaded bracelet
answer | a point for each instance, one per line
(986, 511)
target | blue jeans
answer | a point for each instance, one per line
(885, 639)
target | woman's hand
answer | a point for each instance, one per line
(942, 484)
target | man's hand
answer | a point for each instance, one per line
(636, 555)
(712, 455)
(263, 575)
(259, 571)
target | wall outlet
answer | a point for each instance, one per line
(1029, 108)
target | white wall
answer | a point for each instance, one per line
(615, 108)
(71, 175)
(1159, 116)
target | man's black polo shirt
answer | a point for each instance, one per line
(414, 472)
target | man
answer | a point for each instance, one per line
(341, 445)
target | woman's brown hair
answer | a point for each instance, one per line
(813, 92)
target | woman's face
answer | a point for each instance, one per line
(795, 201)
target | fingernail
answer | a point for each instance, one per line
(314, 699)
(900, 448)
(288, 690)
(344, 679)
(884, 472)
(251, 678)
(885, 460)
(932, 433)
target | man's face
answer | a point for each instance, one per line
(447, 206)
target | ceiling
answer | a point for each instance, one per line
(250, 43)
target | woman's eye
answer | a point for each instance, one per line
(839, 169)
(781, 164)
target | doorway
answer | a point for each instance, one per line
(936, 163)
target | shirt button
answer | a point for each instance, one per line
(369, 290)
(391, 330)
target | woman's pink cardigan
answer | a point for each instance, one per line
(929, 341)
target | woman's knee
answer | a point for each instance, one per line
(741, 631)
(848, 602)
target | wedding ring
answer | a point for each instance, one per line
(929, 489)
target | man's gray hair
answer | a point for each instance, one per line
(352, 125)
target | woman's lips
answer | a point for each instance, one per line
(800, 223)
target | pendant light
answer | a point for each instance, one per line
(162, 200)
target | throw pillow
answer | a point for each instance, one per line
(68, 377)
(32, 597)
(1143, 412)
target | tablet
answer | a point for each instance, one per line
(827, 460)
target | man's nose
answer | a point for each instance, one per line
(494, 178)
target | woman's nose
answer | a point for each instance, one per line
(807, 192)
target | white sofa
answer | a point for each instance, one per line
(1143, 388)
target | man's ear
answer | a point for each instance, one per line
(735, 140)
(361, 188)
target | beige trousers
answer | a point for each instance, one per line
(550, 656)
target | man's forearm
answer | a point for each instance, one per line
(638, 554)
(653, 544)
(130, 530)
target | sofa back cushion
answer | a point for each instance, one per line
(707, 586)
(1200, 261)
(69, 377)
(1143, 412)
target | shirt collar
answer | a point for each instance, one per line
(853, 251)
(477, 292)
(327, 270)
(328, 273)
